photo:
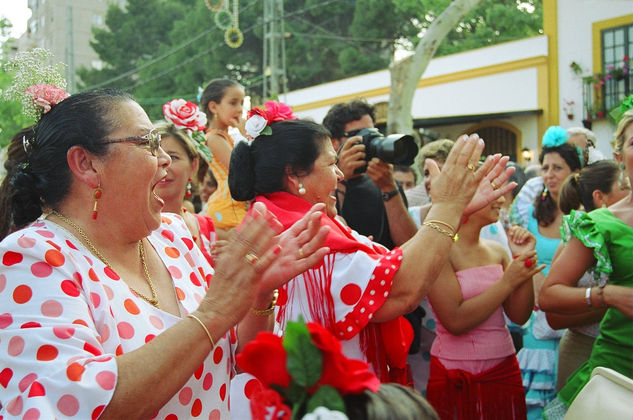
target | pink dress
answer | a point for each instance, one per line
(65, 315)
(485, 345)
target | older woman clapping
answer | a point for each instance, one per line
(360, 288)
(105, 310)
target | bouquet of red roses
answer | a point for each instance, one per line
(301, 372)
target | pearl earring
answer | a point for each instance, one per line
(301, 189)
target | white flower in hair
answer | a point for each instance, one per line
(255, 125)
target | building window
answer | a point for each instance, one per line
(97, 20)
(42, 21)
(33, 26)
(97, 64)
(501, 137)
(617, 49)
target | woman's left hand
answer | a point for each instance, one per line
(299, 250)
(520, 240)
(492, 186)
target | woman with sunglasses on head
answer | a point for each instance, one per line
(105, 309)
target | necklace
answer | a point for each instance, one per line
(141, 250)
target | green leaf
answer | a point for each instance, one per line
(267, 131)
(304, 360)
(201, 146)
(328, 397)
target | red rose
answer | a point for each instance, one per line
(348, 376)
(265, 358)
(278, 111)
(257, 111)
(265, 399)
(184, 114)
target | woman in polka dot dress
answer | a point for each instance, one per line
(360, 289)
(104, 307)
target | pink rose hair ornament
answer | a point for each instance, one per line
(37, 85)
(260, 119)
(302, 375)
(186, 116)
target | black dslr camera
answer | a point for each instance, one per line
(399, 149)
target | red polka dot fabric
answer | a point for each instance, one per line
(65, 316)
(343, 293)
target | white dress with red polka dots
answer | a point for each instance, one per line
(65, 315)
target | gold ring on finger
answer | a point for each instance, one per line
(493, 185)
(251, 258)
(301, 253)
(470, 166)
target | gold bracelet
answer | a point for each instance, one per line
(270, 309)
(453, 236)
(192, 316)
(443, 223)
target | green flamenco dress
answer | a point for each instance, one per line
(612, 244)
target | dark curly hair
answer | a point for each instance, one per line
(341, 114)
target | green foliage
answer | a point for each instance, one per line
(326, 396)
(304, 359)
(164, 49)
(12, 119)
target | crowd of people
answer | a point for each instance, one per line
(138, 276)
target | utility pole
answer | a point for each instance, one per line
(274, 49)
(70, 51)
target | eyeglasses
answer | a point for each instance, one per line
(151, 140)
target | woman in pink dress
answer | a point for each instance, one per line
(474, 370)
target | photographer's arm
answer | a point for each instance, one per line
(401, 225)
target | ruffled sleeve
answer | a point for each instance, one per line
(584, 228)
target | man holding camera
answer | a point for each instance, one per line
(370, 200)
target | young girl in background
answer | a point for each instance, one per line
(474, 371)
(222, 101)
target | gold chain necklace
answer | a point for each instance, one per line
(141, 250)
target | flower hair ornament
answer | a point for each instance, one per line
(617, 112)
(186, 116)
(37, 85)
(556, 136)
(303, 375)
(260, 119)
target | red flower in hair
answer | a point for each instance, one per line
(46, 96)
(259, 119)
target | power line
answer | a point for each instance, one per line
(181, 46)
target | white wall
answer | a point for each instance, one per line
(575, 18)
(502, 92)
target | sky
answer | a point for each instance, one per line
(18, 14)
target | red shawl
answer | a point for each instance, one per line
(385, 344)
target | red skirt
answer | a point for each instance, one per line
(496, 393)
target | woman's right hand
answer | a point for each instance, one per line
(239, 268)
(522, 268)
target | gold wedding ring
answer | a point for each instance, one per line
(494, 186)
(470, 166)
(251, 258)
(301, 253)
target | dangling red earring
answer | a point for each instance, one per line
(188, 192)
(97, 195)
